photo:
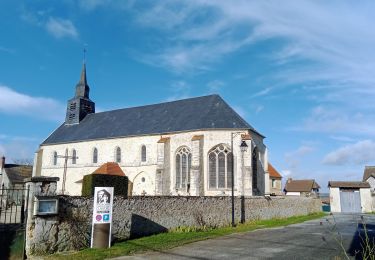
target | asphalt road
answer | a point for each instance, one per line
(316, 239)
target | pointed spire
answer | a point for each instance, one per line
(83, 79)
(82, 88)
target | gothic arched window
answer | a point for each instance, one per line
(220, 167)
(143, 153)
(118, 154)
(55, 158)
(95, 155)
(183, 166)
(74, 157)
(254, 165)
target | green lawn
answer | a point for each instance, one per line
(178, 237)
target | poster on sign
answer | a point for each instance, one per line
(102, 217)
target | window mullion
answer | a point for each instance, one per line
(217, 171)
(225, 171)
(180, 184)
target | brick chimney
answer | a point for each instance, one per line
(289, 180)
(2, 165)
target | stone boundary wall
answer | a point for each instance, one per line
(140, 216)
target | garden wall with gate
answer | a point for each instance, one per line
(141, 216)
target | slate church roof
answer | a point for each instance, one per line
(200, 113)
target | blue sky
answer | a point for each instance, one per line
(301, 72)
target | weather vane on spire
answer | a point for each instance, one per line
(84, 53)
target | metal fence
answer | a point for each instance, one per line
(13, 205)
(13, 218)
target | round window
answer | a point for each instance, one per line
(143, 179)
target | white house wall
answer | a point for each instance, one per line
(365, 194)
(366, 200)
(136, 170)
(293, 193)
(334, 198)
(371, 181)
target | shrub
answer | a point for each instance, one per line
(119, 184)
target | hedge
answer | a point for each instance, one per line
(119, 183)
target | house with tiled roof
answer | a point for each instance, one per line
(275, 181)
(192, 147)
(12, 176)
(301, 188)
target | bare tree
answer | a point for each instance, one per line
(23, 161)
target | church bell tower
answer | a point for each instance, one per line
(80, 105)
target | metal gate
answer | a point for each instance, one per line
(13, 217)
(350, 201)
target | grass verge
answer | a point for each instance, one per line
(177, 237)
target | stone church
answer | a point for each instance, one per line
(186, 147)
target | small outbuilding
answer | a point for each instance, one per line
(350, 196)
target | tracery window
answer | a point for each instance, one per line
(143, 153)
(54, 158)
(254, 165)
(118, 154)
(95, 155)
(183, 166)
(74, 157)
(220, 163)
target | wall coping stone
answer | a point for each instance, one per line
(42, 179)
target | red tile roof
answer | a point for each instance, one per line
(246, 137)
(273, 172)
(163, 139)
(197, 137)
(109, 168)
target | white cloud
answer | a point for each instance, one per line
(286, 173)
(294, 158)
(18, 150)
(259, 109)
(61, 28)
(180, 89)
(358, 153)
(15, 103)
(263, 92)
(318, 40)
(215, 86)
(240, 111)
(333, 120)
(89, 5)
(342, 138)
(197, 33)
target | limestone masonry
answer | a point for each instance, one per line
(139, 216)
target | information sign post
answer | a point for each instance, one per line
(102, 217)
